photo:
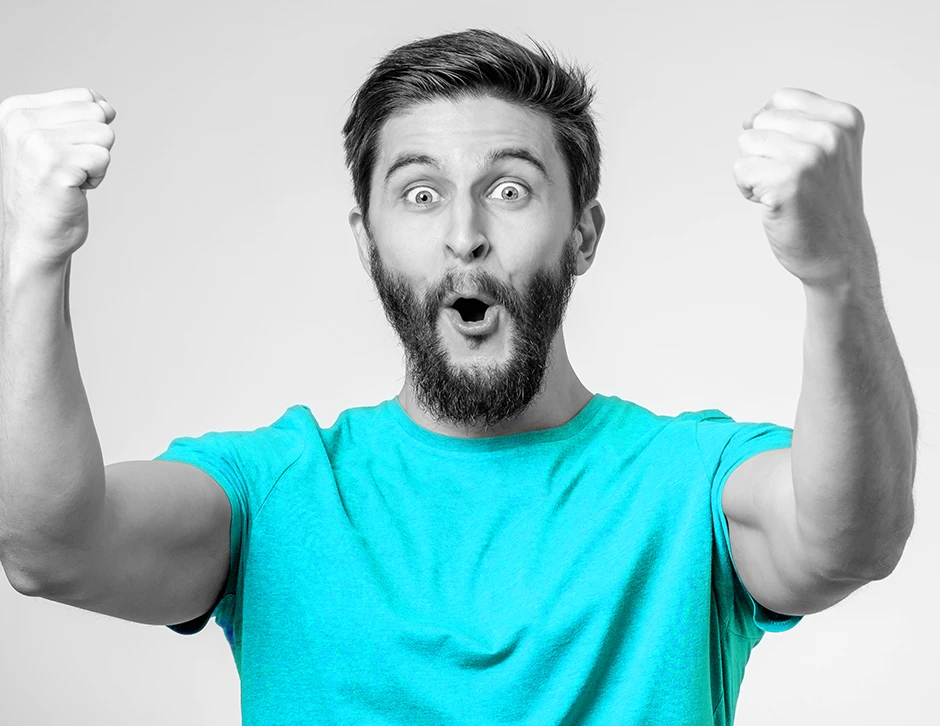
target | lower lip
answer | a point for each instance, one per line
(477, 328)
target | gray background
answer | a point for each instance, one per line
(220, 282)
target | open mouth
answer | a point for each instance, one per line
(470, 309)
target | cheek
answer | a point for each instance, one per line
(407, 249)
(525, 255)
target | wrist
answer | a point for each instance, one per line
(18, 264)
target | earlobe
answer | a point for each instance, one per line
(590, 228)
(357, 225)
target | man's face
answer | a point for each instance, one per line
(473, 254)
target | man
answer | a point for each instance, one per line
(497, 543)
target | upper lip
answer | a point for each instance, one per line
(455, 296)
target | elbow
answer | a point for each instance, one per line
(884, 560)
(21, 581)
(24, 578)
(863, 556)
(880, 569)
(893, 552)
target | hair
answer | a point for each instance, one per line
(476, 63)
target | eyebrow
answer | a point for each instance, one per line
(513, 152)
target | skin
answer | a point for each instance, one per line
(809, 524)
(427, 221)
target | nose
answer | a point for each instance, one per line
(466, 238)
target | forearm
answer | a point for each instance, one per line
(854, 439)
(51, 466)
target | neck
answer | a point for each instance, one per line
(562, 397)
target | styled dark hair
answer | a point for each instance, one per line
(476, 63)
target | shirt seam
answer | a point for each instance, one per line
(496, 449)
(279, 477)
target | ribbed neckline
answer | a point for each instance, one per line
(493, 443)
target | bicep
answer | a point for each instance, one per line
(768, 554)
(160, 552)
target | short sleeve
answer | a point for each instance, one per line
(246, 464)
(724, 444)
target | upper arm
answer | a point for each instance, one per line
(160, 552)
(768, 555)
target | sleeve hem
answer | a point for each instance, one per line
(197, 624)
(761, 617)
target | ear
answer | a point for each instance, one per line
(588, 233)
(358, 226)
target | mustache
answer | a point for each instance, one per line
(479, 281)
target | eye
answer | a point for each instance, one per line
(511, 191)
(424, 196)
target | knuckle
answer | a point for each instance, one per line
(98, 157)
(853, 118)
(829, 137)
(10, 105)
(39, 154)
(812, 155)
(108, 137)
(14, 123)
(97, 112)
(33, 143)
(781, 94)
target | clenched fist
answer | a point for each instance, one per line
(802, 161)
(53, 147)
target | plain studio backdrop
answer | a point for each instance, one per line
(220, 282)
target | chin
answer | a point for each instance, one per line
(476, 353)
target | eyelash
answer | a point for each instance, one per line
(514, 183)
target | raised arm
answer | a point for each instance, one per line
(145, 541)
(810, 524)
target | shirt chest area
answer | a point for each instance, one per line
(492, 552)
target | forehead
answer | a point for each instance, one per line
(462, 131)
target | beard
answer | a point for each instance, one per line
(477, 395)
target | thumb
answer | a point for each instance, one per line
(758, 180)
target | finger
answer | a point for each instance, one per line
(83, 133)
(109, 111)
(51, 98)
(759, 180)
(799, 126)
(799, 99)
(789, 99)
(743, 172)
(811, 104)
(67, 113)
(57, 98)
(749, 121)
(86, 166)
(767, 143)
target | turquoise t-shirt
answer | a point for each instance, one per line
(385, 574)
